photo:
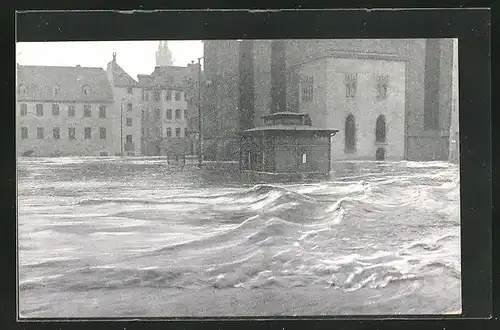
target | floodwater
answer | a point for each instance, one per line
(135, 237)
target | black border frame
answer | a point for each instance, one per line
(471, 26)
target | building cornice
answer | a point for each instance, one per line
(334, 54)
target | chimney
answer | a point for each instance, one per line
(114, 57)
(78, 66)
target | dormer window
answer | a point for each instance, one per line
(22, 89)
(86, 90)
(55, 90)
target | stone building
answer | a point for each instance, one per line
(165, 113)
(64, 111)
(220, 99)
(126, 114)
(404, 85)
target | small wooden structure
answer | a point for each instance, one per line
(287, 144)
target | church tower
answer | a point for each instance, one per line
(163, 55)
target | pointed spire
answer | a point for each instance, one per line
(163, 54)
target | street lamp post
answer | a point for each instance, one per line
(125, 98)
(200, 127)
(121, 128)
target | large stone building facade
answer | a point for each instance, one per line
(167, 110)
(404, 84)
(126, 114)
(81, 111)
(64, 111)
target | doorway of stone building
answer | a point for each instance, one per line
(350, 134)
(380, 154)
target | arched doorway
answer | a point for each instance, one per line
(380, 130)
(350, 134)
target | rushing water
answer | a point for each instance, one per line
(107, 237)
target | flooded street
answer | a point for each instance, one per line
(135, 237)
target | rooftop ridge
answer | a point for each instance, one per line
(60, 66)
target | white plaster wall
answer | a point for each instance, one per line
(63, 146)
(365, 107)
(122, 98)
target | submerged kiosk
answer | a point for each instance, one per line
(287, 145)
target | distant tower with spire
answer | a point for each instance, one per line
(163, 55)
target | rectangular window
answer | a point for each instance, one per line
(169, 132)
(128, 138)
(39, 110)
(24, 133)
(55, 109)
(143, 96)
(39, 133)
(157, 114)
(102, 111)
(169, 96)
(102, 133)
(177, 132)
(178, 95)
(71, 110)
(185, 132)
(307, 84)
(351, 85)
(158, 131)
(71, 133)
(87, 132)
(185, 114)
(177, 113)
(129, 90)
(56, 133)
(146, 94)
(169, 114)
(87, 110)
(157, 95)
(185, 96)
(129, 106)
(129, 121)
(24, 109)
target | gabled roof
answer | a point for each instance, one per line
(41, 83)
(174, 77)
(120, 77)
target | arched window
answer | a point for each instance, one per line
(86, 90)
(380, 130)
(350, 134)
(55, 90)
(22, 89)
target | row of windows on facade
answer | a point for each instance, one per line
(87, 110)
(56, 89)
(157, 95)
(168, 114)
(351, 83)
(168, 132)
(56, 133)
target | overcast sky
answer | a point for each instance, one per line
(135, 57)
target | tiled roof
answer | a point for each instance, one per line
(175, 77)
(120, 77)
(41, 83)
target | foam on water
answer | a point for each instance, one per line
(396, 223)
